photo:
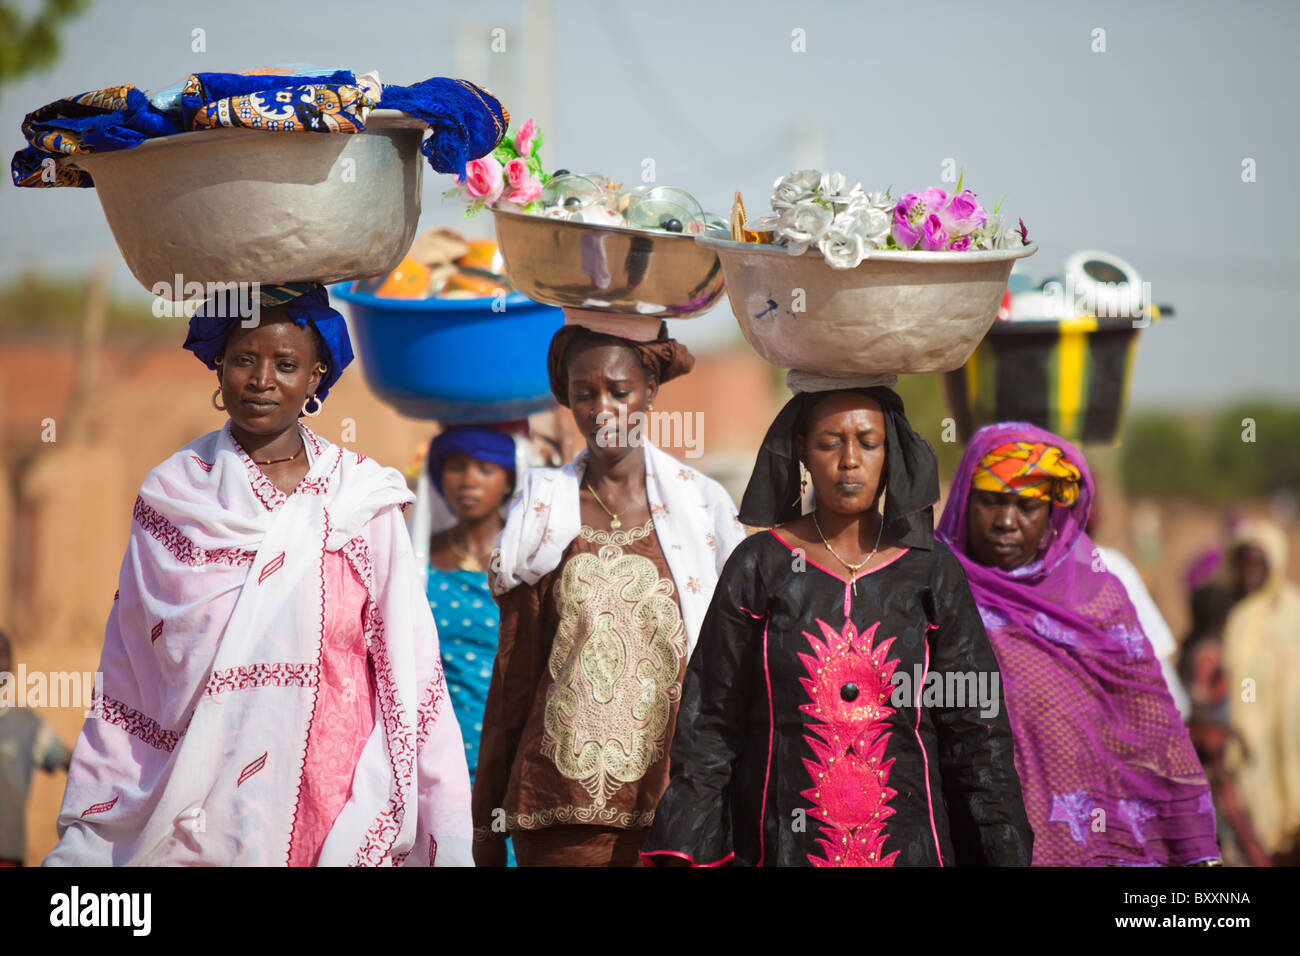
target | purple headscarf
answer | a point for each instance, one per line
(1108, 770)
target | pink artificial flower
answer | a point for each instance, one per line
(530, 190)
(482, 179)
(524, 138)
(934, 236)
(516, 173)
(910, 215)
(962, 215)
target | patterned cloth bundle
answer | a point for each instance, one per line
(466, 121)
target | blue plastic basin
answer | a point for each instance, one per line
(454, 360)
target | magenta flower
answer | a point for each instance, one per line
(934, 237)
(934, 221)
(962, 215)
(910, 215)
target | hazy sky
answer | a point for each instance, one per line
(1136, 150)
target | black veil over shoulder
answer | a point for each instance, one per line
(773, 497)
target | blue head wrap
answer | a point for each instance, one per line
(485, 444)
(307, 304)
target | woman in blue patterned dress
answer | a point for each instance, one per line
(469, 474)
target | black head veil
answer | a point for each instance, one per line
(772, 496)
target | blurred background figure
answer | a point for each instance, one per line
(27, 744)
(1149, 616)
(1261, 663)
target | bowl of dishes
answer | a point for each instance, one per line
(607, 268)
(897, 312)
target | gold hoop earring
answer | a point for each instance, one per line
(220, 408)
(314, 412)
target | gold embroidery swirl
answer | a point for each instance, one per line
(615, 665)
(620, 538)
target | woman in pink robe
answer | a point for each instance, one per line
(272, 692)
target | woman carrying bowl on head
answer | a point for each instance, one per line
(1109, 771)
(843, 705)
(602, 574)
(272, 692)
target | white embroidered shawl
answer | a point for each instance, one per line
(694, 518)
(195, 752)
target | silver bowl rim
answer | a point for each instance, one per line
(715, 240)
(654, 234)
(377, 119)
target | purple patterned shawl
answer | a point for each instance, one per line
(1108, 771)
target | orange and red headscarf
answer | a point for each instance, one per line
(1029, 469)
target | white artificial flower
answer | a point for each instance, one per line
(803, 224)
(794, 188)
(842, 249)
(866, 221)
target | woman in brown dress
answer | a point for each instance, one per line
(603, 574)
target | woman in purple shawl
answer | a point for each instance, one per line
(1108, 771)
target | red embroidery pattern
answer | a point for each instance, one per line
(262, 675)
(138, 725)
(430, 705)
(310, 435)
(99, 807)
(205, 465)
(252, 768)
(182, 548)
(156, 632)
(315, 694)
(378, 841)
(265, 489)
(268, 569)
(360, 458)
(849, 772)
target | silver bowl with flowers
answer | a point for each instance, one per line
(596, 248)
(847, 283)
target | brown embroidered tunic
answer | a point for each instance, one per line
(584, 692)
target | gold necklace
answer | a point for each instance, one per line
(469, 562)
(614, 523)
(853, 568)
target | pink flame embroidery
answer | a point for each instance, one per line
(99, 807)
(275, 564)
(251, 769)
(850, 775)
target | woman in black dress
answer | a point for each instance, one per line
(843, 706)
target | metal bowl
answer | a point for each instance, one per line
(241, 205)
(897, 312)
(581, 265)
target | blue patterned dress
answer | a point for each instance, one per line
(467, 622)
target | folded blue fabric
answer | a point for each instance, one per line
(467, 121)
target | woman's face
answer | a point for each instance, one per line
(1250, 569)
(844, 452)
(602, 380)
(267, 373)
(1004, 529)
(473, 488)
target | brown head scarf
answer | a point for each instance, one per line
(664, 358)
